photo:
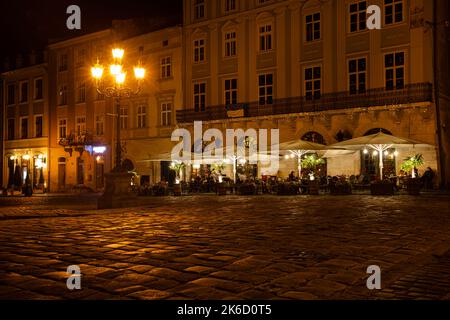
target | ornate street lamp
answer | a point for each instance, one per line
(117, 90)
(117, 183)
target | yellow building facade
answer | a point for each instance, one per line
(26, 127)
(314, 71)
(82, 138)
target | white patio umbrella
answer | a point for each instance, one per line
(380, 142)
(298, 148)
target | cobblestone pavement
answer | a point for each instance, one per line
(209, 247)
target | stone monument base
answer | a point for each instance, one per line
(118, 193)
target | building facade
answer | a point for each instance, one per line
(313, 70)
(81, 139)
(26, 127)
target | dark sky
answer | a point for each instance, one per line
(29, 24)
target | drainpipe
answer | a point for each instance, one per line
(437, 103)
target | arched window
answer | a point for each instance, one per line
(377, 130)
(315, 137)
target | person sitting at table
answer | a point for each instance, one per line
(427, 178)
(291, 176)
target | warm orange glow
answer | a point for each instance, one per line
(97, 71)
(118, 53)
(139, 73)
(115, 69)
(120, 78)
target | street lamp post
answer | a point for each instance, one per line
(117, 191)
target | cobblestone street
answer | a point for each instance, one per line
(209, 247)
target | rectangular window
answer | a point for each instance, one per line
(358, 17)
(313, 83)
(393, 11)
(24, 92)
(38, 89)
(24, 128)
(230, 5)
(81, 57)
(11, 94)
(11, 129)
(99, 125)
(123, 118)
(81, 126)
(62, 63)
(230, 44)
(265, 38)
(81, 95)
(200, 96)
(199, 9)
(142, 117)
(265, 85)
(231, 91)
(166, 114)
(62, 100)
(312, 27)
(38, 126)
(394, 64)
(199, 50)
(357, 77)
(166, 67)
(62, 128)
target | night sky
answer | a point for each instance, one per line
(30, 24)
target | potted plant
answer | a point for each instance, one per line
(310, 163)
(411, 164)
(178, 168)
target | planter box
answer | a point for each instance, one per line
(247, 189)
(177, 190)
(341, 189)
(382, 189)
(313, 187)
(413, 187)
(222, 189)
(287, 189)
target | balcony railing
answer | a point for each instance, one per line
(413, 93)
(85, 138)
